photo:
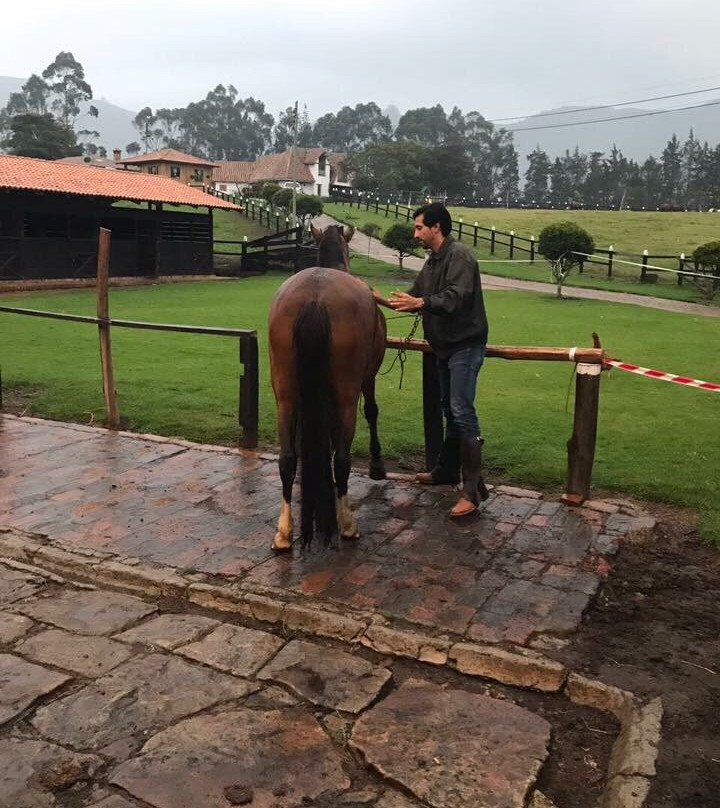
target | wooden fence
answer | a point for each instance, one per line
(248, 383)
(520, 245)
(589, 361)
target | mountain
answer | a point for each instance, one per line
(114, 123)
(636, 138)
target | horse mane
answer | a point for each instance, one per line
(332, 249)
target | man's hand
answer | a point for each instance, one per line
(402, 301)
(379, 299)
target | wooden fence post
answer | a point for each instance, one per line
(681, 267)
(512, 244)
(249, 391)
(581, 446)
(643, 271)
(492, 240)
(103, 313)
(532, 249)
(610, 261)
(460, 225)
(432, 412)
(475, 232)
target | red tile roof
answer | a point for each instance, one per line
(234, 171)
(30, 174)
(167, 156)
(281, 167)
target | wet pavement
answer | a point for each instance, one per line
(111, 701)
(523, 569)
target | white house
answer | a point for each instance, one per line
(314, 170)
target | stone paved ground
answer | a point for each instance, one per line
(521, 572)
(110, 701)
(183, 710)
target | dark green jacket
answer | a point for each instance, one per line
(454, 310)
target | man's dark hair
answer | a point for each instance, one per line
(435, 213)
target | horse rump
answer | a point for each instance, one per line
(317, 412)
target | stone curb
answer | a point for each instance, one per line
(634, 753)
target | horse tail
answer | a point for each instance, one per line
(317, 415)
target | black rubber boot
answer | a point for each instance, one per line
(447, 469)
(473, 484)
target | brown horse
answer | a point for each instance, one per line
(327, 342)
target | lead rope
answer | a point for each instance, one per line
(401, 355)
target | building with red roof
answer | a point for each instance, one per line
(50, 213)
(171, 163)
(312, 171)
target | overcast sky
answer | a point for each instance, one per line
(513, 57)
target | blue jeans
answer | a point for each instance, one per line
(458, 380)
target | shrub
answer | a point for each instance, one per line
(707, 259)
(268, 190)
(400, 237)
(564, 245)
(282, 198)
(306, 207)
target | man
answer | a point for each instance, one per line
(449, 294)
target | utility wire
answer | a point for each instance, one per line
(617, 118)
(605, 106)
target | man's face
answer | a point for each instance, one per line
(427, 236)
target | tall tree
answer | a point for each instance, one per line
(284, 130)
(389, 168)
(427, 126)
(352, 128)
(33, 97)
(537, 175)
(66, 79)
(671, 161)
(32, 135)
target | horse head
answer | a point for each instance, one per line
(332, 244)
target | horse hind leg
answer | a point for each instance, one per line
(347, 525)
(288, 466)
(370, 409)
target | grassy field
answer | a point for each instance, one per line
(655, 440)
(628, 231)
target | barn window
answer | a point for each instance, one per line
(152, 169)
(175, 172)
(321, 166)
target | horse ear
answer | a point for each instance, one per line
(316, 233)
(348, 232)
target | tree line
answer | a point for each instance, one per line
(460, 155)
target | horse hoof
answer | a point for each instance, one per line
(377, 471)
(281, 544)
(351, 531)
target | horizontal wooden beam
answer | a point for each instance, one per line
(183, 329)
(590, 356)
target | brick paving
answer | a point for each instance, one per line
(521, 571)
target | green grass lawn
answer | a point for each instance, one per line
(655, 440)
(659, 233)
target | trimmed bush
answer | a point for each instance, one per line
(401, 238)
(564, 245)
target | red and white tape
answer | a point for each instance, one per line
(664, 377)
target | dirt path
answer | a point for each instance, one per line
(379, 251)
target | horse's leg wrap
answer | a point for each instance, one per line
(346, 520)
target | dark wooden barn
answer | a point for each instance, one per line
(50, 213)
